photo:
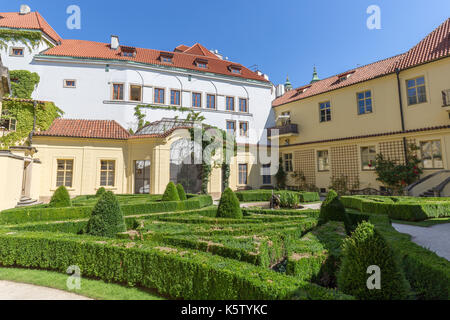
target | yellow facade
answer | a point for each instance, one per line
(87, 154)
(348, 131)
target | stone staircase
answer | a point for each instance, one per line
(428, 194)
(26, 202)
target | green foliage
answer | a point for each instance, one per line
(171, 193)
(23, 83)
(140, 117)
(181, 192)
(79, 211)
(229, 206)
(60, 198)
(300, 178)
(265, 195)
(31, 39)
(341, 185)
(397, 176)
(24, 112)
(289, 200)
(400, 208)
(106, 219)
(101, 191)
(309, 197)
(366, 248)
(332, 208)
(281, 176)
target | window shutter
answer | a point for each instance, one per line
(446, 97)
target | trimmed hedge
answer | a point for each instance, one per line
(171, 193)
(173, 272)
(332, 208)
(101, 191)
(106, 217)
(181, 192)
(60, 198)
(265, 195)
(427, 273)
(229, 206)
(400, 208)
(366, 248)
(24, 215)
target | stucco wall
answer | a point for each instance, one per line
(11, 173)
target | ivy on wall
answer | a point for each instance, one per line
(23, 83)
(23, 112)
(31, 39)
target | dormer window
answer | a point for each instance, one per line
(128, 51)
(345, 76)
(303, 90)
(201, 63)
(166, 57)
(236, 69)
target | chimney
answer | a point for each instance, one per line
(115, 42)
(24, 9)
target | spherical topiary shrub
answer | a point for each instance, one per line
(181, 192)
(106, 218)
(60, 198)
(332, 208)
(171, 193)
(100, 192)
(365, 248)
(229, 206)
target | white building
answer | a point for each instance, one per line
(93, 80)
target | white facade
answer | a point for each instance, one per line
(91, 98)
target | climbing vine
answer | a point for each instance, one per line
(23, 83)
(23, 112)
(31, 39)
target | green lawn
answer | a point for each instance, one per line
(95, 289)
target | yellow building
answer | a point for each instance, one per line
(334, 128)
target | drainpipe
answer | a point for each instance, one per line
(34, 123)
(405, 148)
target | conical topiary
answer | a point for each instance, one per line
(171, 193)
(332, 208)
(60, 198)
(229, 206)
(181, 192)
(100, 192)
(366, 248)
(106, 218)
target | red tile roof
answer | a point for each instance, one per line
(357, 75)
(185, 60)
(435, 46)
(96, 129)
(32, 20)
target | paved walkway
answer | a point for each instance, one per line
(21, 291)
(435, 238)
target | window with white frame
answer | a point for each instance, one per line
(117, 93)
(323, 160)
(135, 92)
(70, 83)
(107, 173)
(64, 172)
(243, 174)
(431, 152)
(17, 52)
(368, 157)
(416, 91)
(325, 111)
(288, 167)
(364, 102)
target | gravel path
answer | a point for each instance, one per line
(435, 238)
(21, 291)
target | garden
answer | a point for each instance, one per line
(182, 246)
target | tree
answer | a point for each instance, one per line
(281, 176)
(229, 206)
(171, 193)
(60, 198)
(397, 176)
(100, 192)
(106, 218)
(367, 250)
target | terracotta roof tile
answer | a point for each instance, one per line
(435, 46)
(32, 20)
(357, 75)
(97, 129)
(98, 50)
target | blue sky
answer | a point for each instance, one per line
(281, 37)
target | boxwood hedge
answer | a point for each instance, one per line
(400, 208)
(265, 195)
